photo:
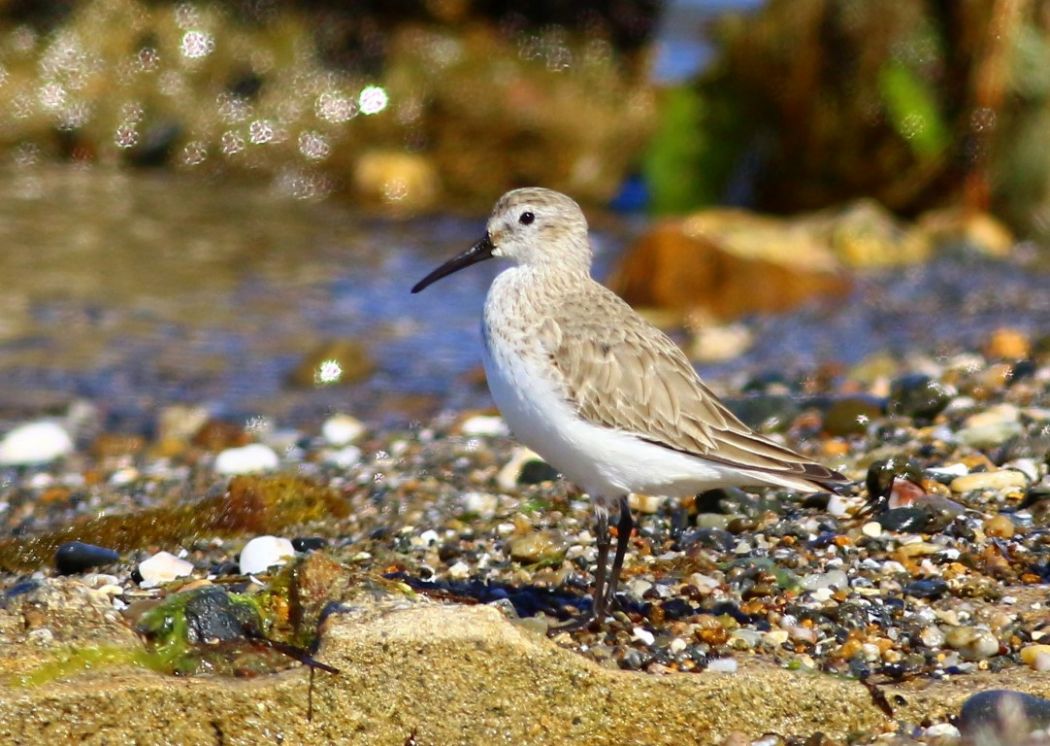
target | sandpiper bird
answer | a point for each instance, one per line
(596, 390)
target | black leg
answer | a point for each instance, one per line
(623, 540)
(601, 529)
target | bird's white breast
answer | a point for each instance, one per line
(604, 462)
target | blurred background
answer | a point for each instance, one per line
(225, 203)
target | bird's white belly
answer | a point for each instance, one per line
(604, 462)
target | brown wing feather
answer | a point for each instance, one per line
(632, 377)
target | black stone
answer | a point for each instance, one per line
(536, 471)
(910, 520)
(76, 556)
(850, 415)
(930, 588)
(309, 543)
(919, 396)
(211, 616)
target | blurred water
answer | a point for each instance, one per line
(137, 291)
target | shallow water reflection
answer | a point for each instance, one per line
(138, 290)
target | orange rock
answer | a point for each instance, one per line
(728, 263)
(1007, 343)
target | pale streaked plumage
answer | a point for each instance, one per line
(591, 386)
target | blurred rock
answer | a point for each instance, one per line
(864, 234)
(720, 342)
(972, 231)
(250, 459)
(728, 263)
(35, 443)
(342, 429)
(1007, 344)
(403, 181)
(334, 362)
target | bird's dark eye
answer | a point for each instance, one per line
(526, 218)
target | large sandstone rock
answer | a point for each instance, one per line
(458, 675)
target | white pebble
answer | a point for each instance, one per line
(342, 430)
(872, 529)
(459, 571)
(428, 537)
(345, 457)
(248, 459)
(644, 635)
(637, 587)
(942, 730)
(263, 552)
(837, 505)
(480, 503)
(507, 478)
(822, 594)
(481, 425)
(163, 567)
(35, 443)
(722, 665)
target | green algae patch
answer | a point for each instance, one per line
(251, 505)
(81, 660)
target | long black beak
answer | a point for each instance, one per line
(479, 252)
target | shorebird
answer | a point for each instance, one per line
(600, 393)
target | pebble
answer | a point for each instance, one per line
(212, 616)
(77, 556)
(344, 458)
(722, 665)
(484, 426)
(932, 636)
(973, 643)
(999, 525)
(852, 415)
(1008, 343)
(637, 587)
(942, 730)
(830, 579)
(248, 459)
(837, 505)
(912, 520)
(508, 476)
(481, 504)
(35, 443)
(872, 529)
(643, 635)
(162, 568)
(535, 546)
(919, 396)
(342, 430)
(1036, 656)
(263, 552)
(992, 427)
(1000, 481)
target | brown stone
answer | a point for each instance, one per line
(727, 263)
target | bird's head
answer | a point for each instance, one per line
(532, 227)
